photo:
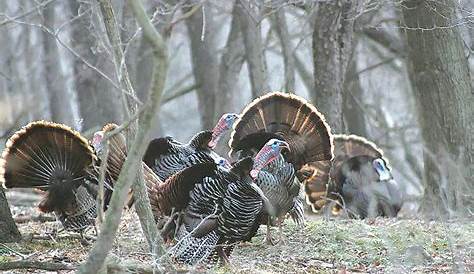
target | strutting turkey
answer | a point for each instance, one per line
(361, 178)
(166, 156)
(220, 206)
(57, 160)
(290, 118)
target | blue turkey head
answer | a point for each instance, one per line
(382, 169)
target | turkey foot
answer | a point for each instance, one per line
(170, 227)
(224, 259)
(268, 239)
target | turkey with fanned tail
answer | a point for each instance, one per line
(290, 118)
(56, 159)
(361, 179)
(220, 206)
(166, 156)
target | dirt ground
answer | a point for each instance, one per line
(322, 246)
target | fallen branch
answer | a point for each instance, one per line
(48, 266)
(37, 218)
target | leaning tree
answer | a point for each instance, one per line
(8, 230)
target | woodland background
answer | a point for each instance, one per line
(399, 73)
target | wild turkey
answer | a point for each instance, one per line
(166, 156)
(361, 178)
(221, 206)
(58, 160)
(292, 119)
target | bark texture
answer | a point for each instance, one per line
(440, 77)
(202, 30)
(8, 230)
(332, 47)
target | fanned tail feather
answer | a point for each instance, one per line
(291, 118)
(346, 147)
(288, 117)
(47, 156)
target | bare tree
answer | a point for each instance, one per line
(332, 47)
(249, 15)
(202, 30)
(8, 230)
(60, 106)
(232, 60)
(98, 103)
(129, 170)
(441, 83)
(281, 27)
(353, 99)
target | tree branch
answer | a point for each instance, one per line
(48, 266)
(179, 93)
(128, 174)
(142, 203)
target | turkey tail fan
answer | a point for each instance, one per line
(175, 191)
(346, 147)
(288, 117)
(47, 156)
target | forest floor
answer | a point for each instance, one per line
(322, 246)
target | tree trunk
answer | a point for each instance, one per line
(230, 67)
(353, 97)
(8, 230)
(60, 104)
(202, 30)
(98, 102)
(440, 77)
(249, 19)
(332, 47)
(281, 27)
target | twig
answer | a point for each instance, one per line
(48, 266)
(36, 8)
(185, 16)
(23, 256)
